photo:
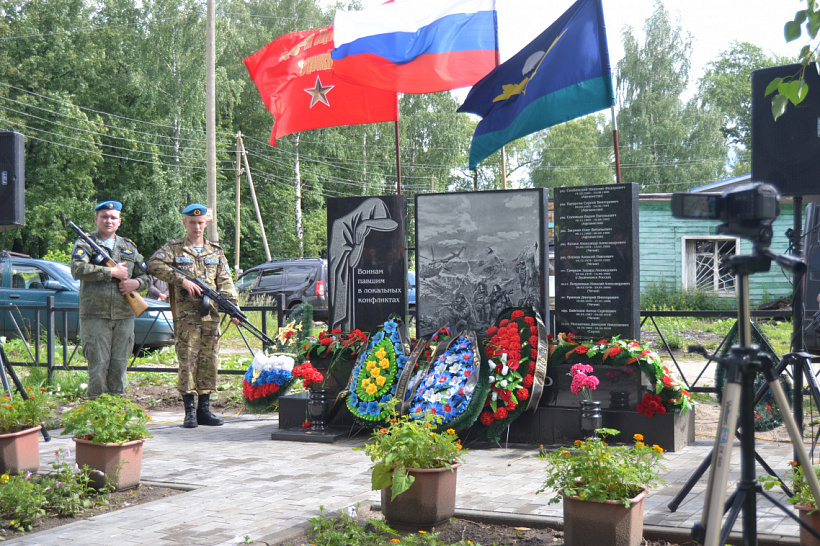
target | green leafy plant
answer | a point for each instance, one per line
(107, 420)
(22, 501)
(17, 414)
(596, 471)
(342, 529)
(796, 481)
(64, 492)
(409, 443)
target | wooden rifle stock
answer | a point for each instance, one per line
(135, 301)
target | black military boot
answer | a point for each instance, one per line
(203, 412)
(190, 411)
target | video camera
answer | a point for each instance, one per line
(746, 211)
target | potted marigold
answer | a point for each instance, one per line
(603, 488)
(109, 432)
(802, 499)
(415, 470)
(20, 422)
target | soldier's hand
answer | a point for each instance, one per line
(120, 272)
(236, 320)
(129, 285)
(191, 288)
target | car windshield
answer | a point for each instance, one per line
(66, 274)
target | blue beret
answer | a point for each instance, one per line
(195, 209)
(109, 205)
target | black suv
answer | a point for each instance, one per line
(299, 279)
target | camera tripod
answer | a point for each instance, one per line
(742, 365)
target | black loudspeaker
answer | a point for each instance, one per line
(786, 152)
(12, 181)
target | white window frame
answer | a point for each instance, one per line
(688, 261)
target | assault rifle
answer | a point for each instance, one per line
(101, 257)
(211, 297)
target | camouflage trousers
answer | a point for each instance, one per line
(107, 345)
(197, 346)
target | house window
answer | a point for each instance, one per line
(705, 266)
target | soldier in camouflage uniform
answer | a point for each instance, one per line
(197, 336)
(106, 319)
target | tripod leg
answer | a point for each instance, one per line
(791, 426)
(721, 455)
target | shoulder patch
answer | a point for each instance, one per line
(126, 252)
(78, 253)
(159, 255)
(143, 265)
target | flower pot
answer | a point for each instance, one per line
(20, 451)
(813, 519)
(430, 501)
(320, 402)
(590, 418)
(117, 464)
(606, 523)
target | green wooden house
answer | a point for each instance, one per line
(687, 253)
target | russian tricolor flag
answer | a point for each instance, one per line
(417, 46)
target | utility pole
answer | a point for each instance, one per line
(253, 197)
(238, 171)
(210, 118)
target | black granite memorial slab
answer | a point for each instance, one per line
(367, 260)
(478, 253)
(596, 261)
(619, 387)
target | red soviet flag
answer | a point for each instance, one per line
(295, 79)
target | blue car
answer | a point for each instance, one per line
(26, 282)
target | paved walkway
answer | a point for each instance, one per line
(244, 483)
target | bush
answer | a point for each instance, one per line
(661, 297)
(65, 492)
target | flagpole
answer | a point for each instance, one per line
(615, 142)
(503, 148)
(398, 160)
(398, 153)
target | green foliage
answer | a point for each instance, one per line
(21, 500)
(667, 144)
(575, 153)
(726, 87)
(65, 385)
(107, 420)
(65, 492)
(794, 89)
(17, 414)
(341, 529)
(778, 333)
(409, 443)
(62, 256)
(659, 296)
(594, 470)
(796, 480)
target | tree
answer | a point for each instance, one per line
(666, 145)
(726, 87)
(576, 153)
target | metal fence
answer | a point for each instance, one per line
(47, 318)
